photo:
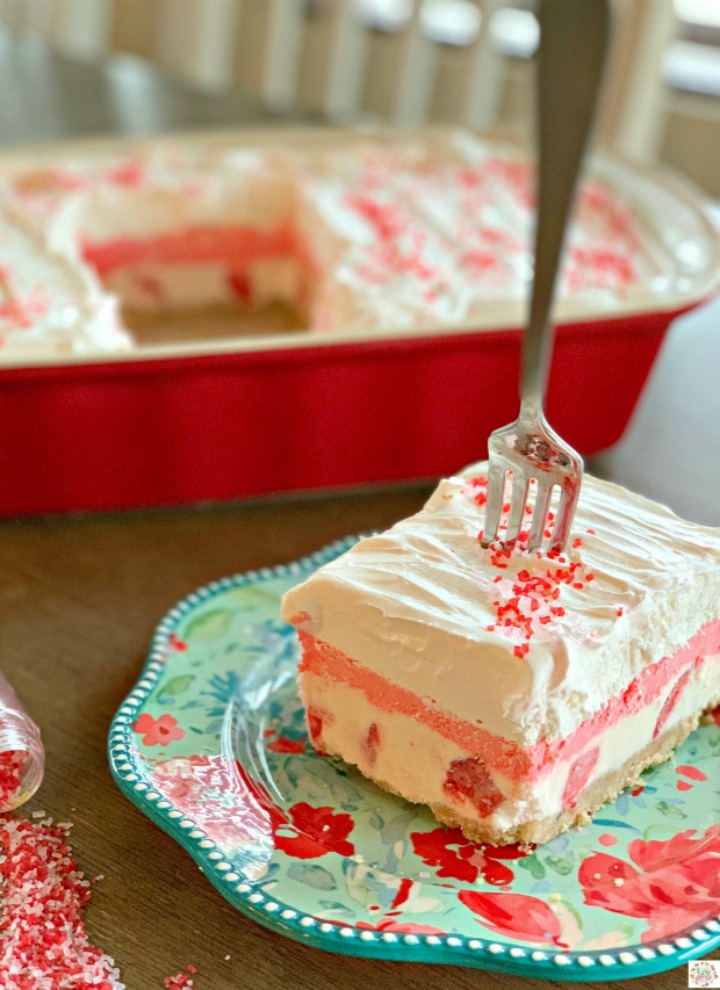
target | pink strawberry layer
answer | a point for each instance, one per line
(231, 245)
(504, 755)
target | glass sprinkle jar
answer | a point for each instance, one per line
(22, 756)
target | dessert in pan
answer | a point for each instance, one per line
(107, 252)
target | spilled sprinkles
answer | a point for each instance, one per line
(44, 944)
(182, 980)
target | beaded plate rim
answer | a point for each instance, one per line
(491, 954)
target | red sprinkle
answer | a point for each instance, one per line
(619, 610)
(527, 601)
(183, 978)
(43, 940)
(12, 764)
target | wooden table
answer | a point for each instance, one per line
(79, 599)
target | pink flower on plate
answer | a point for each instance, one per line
(455, 856)
(518, 916)
(221, 799)
(675, 884)
(312, 832)
(158, 731)
(390, 925)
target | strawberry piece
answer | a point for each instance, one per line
(316, 719)
(240, 285)
(578, 777)
(670, 702)
(470, 778)
(372, 743)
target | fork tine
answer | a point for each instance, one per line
(564, 519)
(542, 504)
(517, 506)
(496, 485)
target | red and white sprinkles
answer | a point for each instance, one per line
(12, 766)
(529, 600)
(182, 980)
(44, 944)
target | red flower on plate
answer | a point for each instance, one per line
(518, 916)
(311, 832)
(455, 856)
(158, 731)
(283, 744)
(675, 884)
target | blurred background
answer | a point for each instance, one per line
(404, 61)
(75, 68)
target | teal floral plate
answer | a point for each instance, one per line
(211, 746)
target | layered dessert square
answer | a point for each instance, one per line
(512, 692)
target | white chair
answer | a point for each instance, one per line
(403, 61)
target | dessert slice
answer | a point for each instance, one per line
(512, 692)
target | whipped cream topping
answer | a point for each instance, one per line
(524, 644)
(101, 199)
(430, 238)
(48, 303)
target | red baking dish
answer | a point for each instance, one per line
(224, 420)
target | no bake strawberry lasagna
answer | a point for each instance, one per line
(394, 236)
(512, 692)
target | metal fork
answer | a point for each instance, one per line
(573, 41)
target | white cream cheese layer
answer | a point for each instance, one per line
(422, 605)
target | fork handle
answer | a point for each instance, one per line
(573, 40)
